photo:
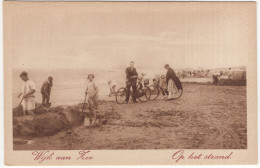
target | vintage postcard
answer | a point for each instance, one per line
(130, 83)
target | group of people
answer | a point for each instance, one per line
(28, 94)
(28, 89)
(217, 75)
(166, 83)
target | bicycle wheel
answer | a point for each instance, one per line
(176, 93)
(121, 95)
(154, 92)
(146, 94)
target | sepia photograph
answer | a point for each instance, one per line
(130, 76)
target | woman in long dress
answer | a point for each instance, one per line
(171, 80)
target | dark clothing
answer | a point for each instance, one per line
(131, 82)
(46, 91)
(129, 85)
(171, 75)
(215, 79)
(45, 99)
(164, 91)
(130, 73)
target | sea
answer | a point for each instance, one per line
(69, 85)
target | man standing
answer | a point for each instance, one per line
(46, 90)
(131, 78)
(28, 90)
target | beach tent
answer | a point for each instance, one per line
(238, 75)
(241, 75)
(237, 78)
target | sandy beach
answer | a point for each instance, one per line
(205, 117)
(71, 91)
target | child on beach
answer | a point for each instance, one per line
(92, 98)
(163, 86)
(27, 92)
(143, 80)
(112, 85)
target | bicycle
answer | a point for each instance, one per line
(155, 92)
(143, 93)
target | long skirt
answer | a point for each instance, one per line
(177, 83)
(171, 86)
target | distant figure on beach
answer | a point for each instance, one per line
(216, 77)
(92, 98)
(112, 85)
(46, 90)
(28, 90)
(131, 78)
(172, 79)
(230, 73)
(207, 73)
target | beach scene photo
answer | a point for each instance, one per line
(130, 76)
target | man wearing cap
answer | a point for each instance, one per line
(131, 78)
(46, 90)
(28, 90)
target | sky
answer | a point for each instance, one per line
(108, 36)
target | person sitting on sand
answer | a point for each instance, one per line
(172, 79)
(92, 98)
(46, 90)
(112, 85)
(28, 90)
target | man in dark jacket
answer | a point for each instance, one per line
(131, 78)
(171, 75)
(46, 90)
